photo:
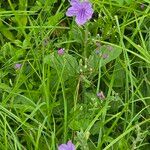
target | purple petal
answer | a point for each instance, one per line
(61, 51)
(72, 11)
(86, 5)
(88, 9)
(89, 13)
(17, 66)
(81, 18)
(73, 2)
(82, 10)
(63, 147)
(84, 13)
(70, 145)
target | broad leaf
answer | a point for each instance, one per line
(64, 64)
(102, 56)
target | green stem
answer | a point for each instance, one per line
(85, 41)
(65, 111)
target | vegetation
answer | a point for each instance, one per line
(94, 92)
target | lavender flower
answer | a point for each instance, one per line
(105, 56)
(101, 95)
(68, 146)
(82, 10)
(17, 66)
(60, 51)
(110, 48)
(142, 6)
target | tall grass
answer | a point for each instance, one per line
(53, 98)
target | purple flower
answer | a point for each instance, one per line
(97, 51)
(60, 51)
(17, 66)
(98, 44)
(110, 48)
(101, 95)
(105, 56)
(142, 6)
(82, 10)
(68, 146)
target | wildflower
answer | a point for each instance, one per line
(97, 51)
(142, 6)
(17, 66)
(110, 48)
(101, 95)
(105, 56)
(60, 51)
(98, 44)
(82, 10)
(45, 42)
(68, 146)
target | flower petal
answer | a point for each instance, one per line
(73, 2)
(86, 4)
(81, 18)
(89, 13)
(63, 147)
(72, 11)
(88, 7)
(70, 145)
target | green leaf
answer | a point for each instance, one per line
(76, 34)
(147, 1)
(103, 56)
(26, 43)
(4, 86)
(95, 128)
(75, 125)
(65, 64)
(22, 20)
(53, 20)
(18, 43)
(5, 31)
(22, 4)
(119, 75)
(121, 2)
(128, 1)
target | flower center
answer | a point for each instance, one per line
(82, 12)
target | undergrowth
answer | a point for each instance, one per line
(96, 93)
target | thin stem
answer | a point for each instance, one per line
(85, 41)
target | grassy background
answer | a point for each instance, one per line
(52, 99)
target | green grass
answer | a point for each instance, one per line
(53, 98)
